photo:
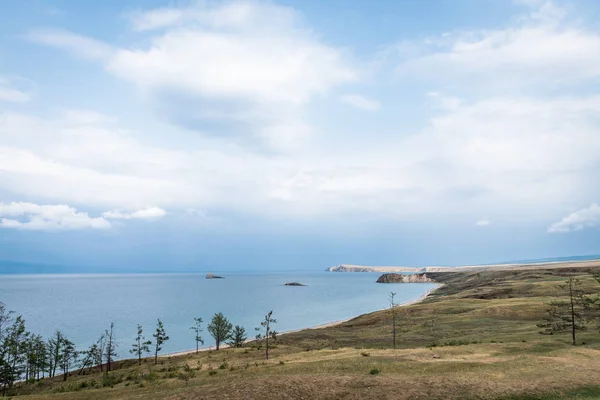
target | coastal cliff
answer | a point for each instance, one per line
(400, 278)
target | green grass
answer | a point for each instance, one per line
(474, 338)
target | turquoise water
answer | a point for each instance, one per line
(83, 306)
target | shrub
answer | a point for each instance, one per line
(374, 371)
(365, 354)
(212, 372)
(281, 362)
(224, 365)
(109, 380)
(187, 373)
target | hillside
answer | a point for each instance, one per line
(473, 338)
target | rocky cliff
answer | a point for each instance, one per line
(400, 278)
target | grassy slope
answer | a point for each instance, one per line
(495, 312)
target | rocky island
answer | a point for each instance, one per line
(294, 284)
(211, 276)
(401, 278)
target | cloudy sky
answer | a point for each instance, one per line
(300, 134)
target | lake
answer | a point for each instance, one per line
(83, 306)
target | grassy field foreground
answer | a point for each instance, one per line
(474, 338)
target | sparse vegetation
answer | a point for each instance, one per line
(487, 346)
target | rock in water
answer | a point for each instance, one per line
(211, 276)
(294, 284)
(401, 278)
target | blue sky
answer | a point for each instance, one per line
(216, 135)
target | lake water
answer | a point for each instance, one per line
(82, 306)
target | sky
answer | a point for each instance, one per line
(299, 134)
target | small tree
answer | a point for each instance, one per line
(68, 356)
(54, 348)
(238, 337)
(197, 329)
(268, 331)
(566, 315)
(140, 346)
(219, 328)
(160, 337)
(98, 354)
(393, 312)
(110, 347)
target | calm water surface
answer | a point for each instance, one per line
(82, 306)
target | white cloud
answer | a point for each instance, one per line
(147, 213)
(73, 43)
(47, 217)
(484, 146)
(250, 62)
(8, 92)
(360, 102)
(578, 220)
(483, 222)
(445, 102)
(542, 49)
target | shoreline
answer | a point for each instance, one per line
(320, 326)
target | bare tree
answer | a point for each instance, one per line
(268, 331)
(393, 312)
(567, 315)
(110, 350)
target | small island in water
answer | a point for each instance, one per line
(210, 275)
(294, 284)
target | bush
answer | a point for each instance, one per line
(365, 354)
(281, 362)
(187, 373)
(109, 380)
(224, 365)
(374, 371)
(211, 373)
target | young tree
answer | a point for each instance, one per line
(68, 356)
(89, 356)
(393, 312)
(160, 337)
(13, 353)
(5, 320)
(268, 331)
(54, 348)
(140, 346)
(219, 328)
(567, 315)
(238, 337)
(5, 370)
(197, 329)
(98, 358)
(110, 350)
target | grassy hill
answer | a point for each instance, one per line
(474, 338)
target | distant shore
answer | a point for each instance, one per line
(463, 268)
(321, 326)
